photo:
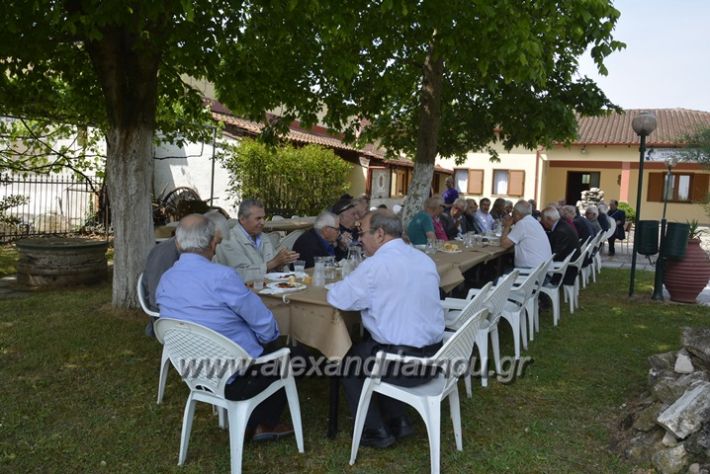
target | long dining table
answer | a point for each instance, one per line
(306, 317)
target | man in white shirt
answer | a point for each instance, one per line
(397, 291)
(532, 247)
(483, 218)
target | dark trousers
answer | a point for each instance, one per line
(612, 250)
(353, 380)
(254, 380)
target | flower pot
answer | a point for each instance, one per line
(686, 278)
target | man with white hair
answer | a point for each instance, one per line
(527, 235)
(591, 213)
(563, 239)
(321, 240)
(165, 254)
(214, 296)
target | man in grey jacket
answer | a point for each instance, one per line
(247, 249)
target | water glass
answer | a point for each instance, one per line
(299, 266)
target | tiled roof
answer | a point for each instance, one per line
(615, 129)
(299, 136)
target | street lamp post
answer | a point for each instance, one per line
(667, 189)
(643, 124)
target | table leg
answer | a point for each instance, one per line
(333, 409)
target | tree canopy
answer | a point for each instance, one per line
(422, 78)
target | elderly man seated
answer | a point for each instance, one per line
(247, 248)
(483, 217)
(532, 246)
(213, 295)
(320, 241)
(396, 289)
(582, 226)
(164, 255)
(563, 240)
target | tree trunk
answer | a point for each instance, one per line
(129, 175)
(427, 135)
(127, 68)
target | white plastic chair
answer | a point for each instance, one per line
(552, 290)
(275, 238)
(290, 239)
(531, 305)
(495, 301)
(453, 360)
(164, 361)
(187, 343)
(514, 309)
(572, 291)
(458, 311)
(595, 257)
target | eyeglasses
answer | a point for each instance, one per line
(334, 228)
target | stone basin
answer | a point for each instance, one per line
(56, 262)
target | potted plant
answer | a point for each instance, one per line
(685, 278)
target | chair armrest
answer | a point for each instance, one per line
(279, 354)
(454, 303)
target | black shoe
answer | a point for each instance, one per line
(401, 427)
(376, 438)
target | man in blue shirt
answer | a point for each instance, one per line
(214, 296)
(450, 195)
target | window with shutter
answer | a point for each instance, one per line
(516, 185)
(655, 187)
(699, 189)
(475, 182)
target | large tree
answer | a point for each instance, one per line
(119, 66)
(445, 77)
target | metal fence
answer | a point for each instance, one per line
(34, 205)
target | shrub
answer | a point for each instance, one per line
(288, 180)
(630, 212)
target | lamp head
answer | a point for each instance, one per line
(644, 123)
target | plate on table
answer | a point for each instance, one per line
(280, 276)
(450, 248)
(285, 285)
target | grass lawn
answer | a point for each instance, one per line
(78, 383)
(8, 260)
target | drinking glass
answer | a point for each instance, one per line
(299, 266)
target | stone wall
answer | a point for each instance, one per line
(669, 426)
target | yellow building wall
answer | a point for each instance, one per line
(516, 159)
(358, 179)
(554, 181)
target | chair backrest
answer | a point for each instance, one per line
(612, 228)
(455, 355)
(204, 358)
(525, 289)
(582, 255)
(142, 298)
(277, 218)
(542, 272)
(275, 238)
(473, 306)
(290, 239)
(499, 295)
(561, 271)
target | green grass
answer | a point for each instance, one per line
(8, 260)
(78, 383)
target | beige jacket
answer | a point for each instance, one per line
(240, 252)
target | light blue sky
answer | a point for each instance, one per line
(666, 63)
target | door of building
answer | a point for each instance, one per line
(578, 181)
